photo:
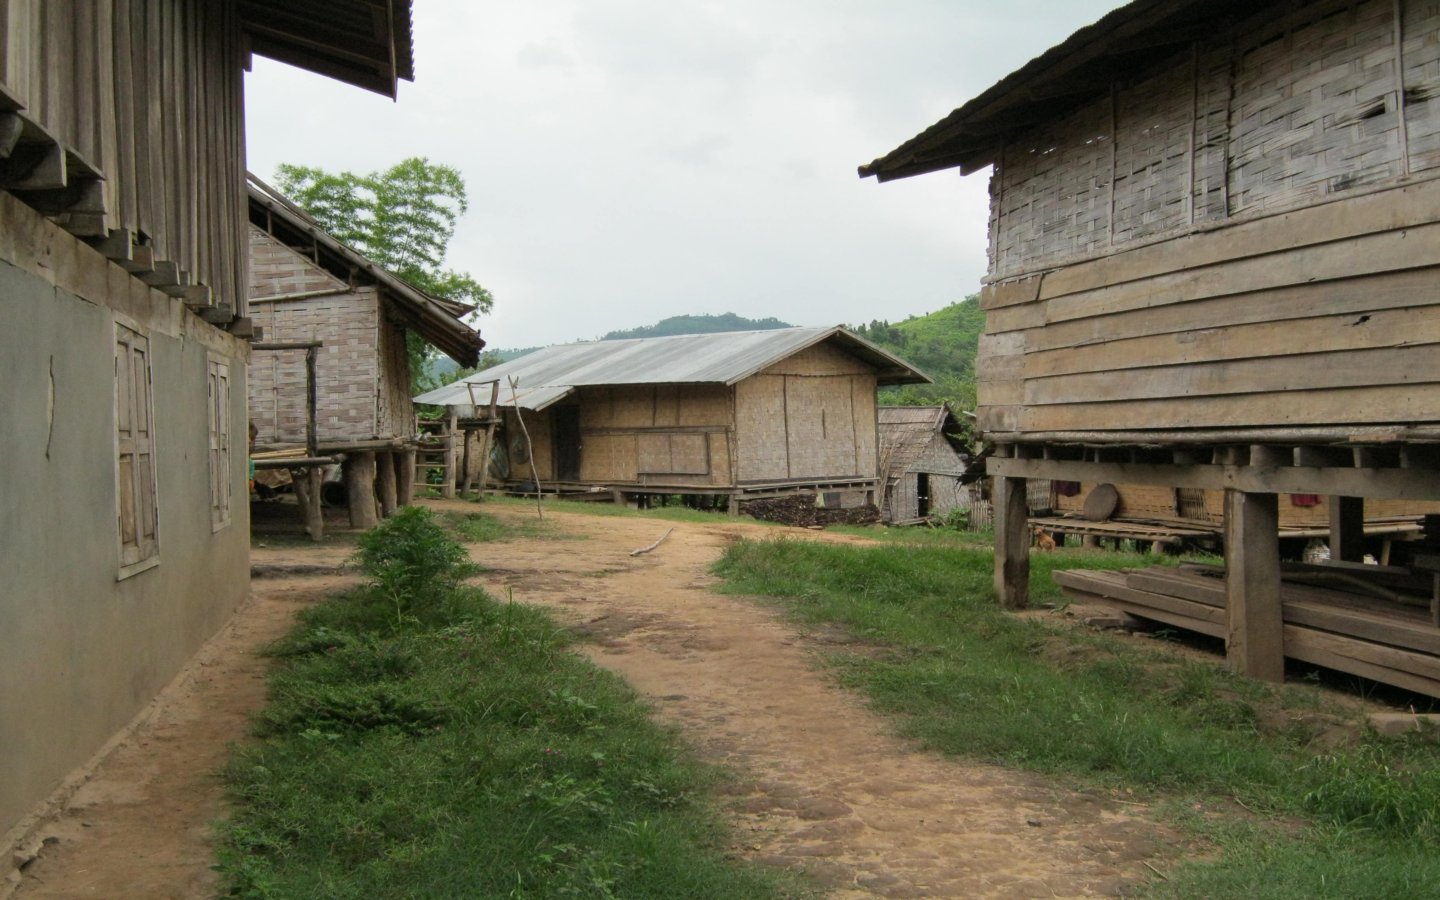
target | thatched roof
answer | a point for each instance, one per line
(908, 432)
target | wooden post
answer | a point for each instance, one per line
(312, 434)
(359, 472)
(385, 479)
(405, 462)
(1255, 645)
(464, 462)
(447, 481)
(307, 491)
(1347, 528)
(1012, 542)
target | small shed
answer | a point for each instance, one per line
(310, 292)
(742, 415)
(922, 459)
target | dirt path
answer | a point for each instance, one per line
(824, 786)
(821, 785)
(140, 824)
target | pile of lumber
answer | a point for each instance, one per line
(800, 509)
(1383, 633)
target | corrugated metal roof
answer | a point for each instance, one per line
(367, 43)
(684, 359)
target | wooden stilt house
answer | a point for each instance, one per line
(742, 415)
(1214, 240)
(922, 459)
(123, 347)
(316, 297)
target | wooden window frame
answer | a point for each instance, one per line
(218, 396)
(138, 494)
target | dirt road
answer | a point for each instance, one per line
(821, 785)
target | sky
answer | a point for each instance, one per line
(629, 160)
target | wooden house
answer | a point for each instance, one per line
(309, 290)
(123, 346)
(921, 462)
(1213, 250)
(741, 415)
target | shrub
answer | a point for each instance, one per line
(413, 562)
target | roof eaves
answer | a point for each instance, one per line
(966, 137)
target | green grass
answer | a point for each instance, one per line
(432, 742)
(1357, 819)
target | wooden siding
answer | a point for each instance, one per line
(1323, 316)
(150, 94)
(1277, 112)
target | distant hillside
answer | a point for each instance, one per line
(941, 344)
(696, 325)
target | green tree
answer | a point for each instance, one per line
(403, 218)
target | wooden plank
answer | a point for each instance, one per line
(1340, 219)
(1352, 296)
(1375, 405)
(1211, 341)
(1343, 369)
(1397, 667)
(1390, 484)
(1010, 293)
(1113, 585)
(1386, 251)
(1255, 632)
(1012, 543)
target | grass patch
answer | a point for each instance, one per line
(424, 740)
(970, 680)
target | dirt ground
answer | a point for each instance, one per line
(821, 784)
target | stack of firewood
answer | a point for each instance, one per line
(800, 510)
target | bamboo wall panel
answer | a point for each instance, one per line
(760, 429)
(1296, 511)
(276, 270)
(395, 412)
(1266, 114)
(820, 426)
(149, 92)
(821, 359)
(351, 371)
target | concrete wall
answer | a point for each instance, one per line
(80, 651)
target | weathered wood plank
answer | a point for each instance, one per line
(1347, 368)
(1388, 404)
(1254, 641)
(1012, 543)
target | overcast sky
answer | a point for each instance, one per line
(629, 160)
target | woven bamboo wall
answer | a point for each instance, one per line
(656, 434)
(1274, 113)
(350, 369)
(538, 424)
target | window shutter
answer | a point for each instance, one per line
(135, 450)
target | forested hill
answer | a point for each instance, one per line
(941, 344)
(703, 324)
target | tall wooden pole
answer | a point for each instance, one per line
(405, 462)
(1012, 542)
(1347, 528)
(385, 480)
